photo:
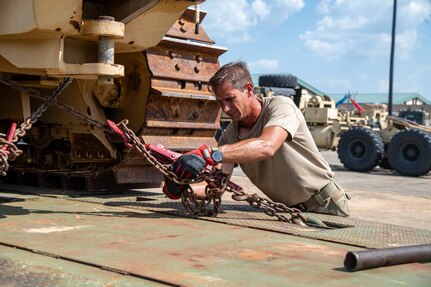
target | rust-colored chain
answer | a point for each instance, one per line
(164, 169)
(199, 207)
(12, 151)
(53, 101)
(269, 207)
(192, 204)
(27, 124)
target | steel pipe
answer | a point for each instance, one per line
(106, 52)
(374, 258)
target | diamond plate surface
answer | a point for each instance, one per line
(353, 231)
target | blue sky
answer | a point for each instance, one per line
(337, 46)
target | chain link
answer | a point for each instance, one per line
(11, 152)
(200, 207)
(53, 101)
(164, 169)
(269, 207)
(195, 206)
(27, 124)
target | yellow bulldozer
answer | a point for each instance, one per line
(68, 66)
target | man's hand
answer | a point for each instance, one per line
(173, 190)
(189, 166)
(209, 155)
(194, 162)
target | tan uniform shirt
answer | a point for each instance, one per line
(297, 170)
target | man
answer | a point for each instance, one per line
(270, 140)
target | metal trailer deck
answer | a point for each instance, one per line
(141, 239)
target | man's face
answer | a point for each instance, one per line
(233, 102)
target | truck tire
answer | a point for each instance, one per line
(409, 152)
(360, 149)
(279, 81)
(384, 162)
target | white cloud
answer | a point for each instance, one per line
(324, 49)
(324, 6)
(239, 38)
(414, 13)
(287, 7)
(263, 66)
(260, 8)
(363, 28)
(228, 18)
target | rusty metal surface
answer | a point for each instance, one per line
(173, 112)
(182, 251)
(184, 28)
(181, 113)
(87, 148)
(183, 60)
(28, 269)
(132, 174)
(345, 230)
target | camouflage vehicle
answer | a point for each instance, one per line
(363, 138)
(419, 116)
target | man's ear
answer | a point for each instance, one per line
(249, 87)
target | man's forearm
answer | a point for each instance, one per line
(255, 149)
(250, 150)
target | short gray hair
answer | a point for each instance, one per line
(235, 72)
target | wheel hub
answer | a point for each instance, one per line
(410, 152)
(357, 149)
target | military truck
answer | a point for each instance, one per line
(365, 137)
(146, 61)
(416, 115)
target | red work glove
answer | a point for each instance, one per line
(211, 156)
(173, 190)
(188, 166)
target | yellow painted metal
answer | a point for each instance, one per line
(34, 19)
(153, 23)
(323, 135)
(158, 80)
(320, 115)
(103, 28)
(38, 32)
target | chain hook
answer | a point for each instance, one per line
(113, 126)
(9, 137)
